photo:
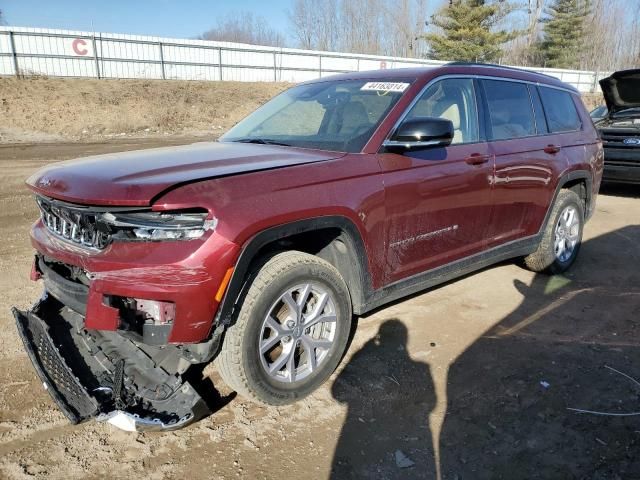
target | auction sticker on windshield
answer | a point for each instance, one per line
(385, 86)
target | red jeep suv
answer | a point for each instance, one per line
(335, 197)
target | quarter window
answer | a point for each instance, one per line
(452, 99)
(560, 110)
(510, 112)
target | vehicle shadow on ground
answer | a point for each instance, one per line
(620, 190)
(206, 389)
(508, 394)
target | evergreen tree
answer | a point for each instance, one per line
(468, 30)
(564, 33)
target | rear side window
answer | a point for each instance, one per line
(560, 110)
(510, 111)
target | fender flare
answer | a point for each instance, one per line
(359, 288)
(562, 181)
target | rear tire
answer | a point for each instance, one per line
(562, 236)
(291, 331)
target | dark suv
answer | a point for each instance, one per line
(620, 128)
(337, 196)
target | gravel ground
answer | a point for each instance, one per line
(469, 380)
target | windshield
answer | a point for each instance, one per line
(334, 115)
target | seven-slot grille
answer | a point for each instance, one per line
(76, 225)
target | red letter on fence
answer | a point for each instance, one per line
(78, 45)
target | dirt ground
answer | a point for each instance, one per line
(470, 380)
(90, 110)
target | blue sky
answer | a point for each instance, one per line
(167, 18)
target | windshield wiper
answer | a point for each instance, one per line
(261, 141)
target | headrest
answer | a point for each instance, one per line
(452, 112)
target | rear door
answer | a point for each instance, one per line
(437, 200)
(526, 159)
(565, 125)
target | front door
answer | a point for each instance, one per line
(438, 200)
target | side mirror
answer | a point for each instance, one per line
(421, 132)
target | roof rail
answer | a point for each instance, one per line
(495, 65)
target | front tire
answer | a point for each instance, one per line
(562, 237)
(291, 331)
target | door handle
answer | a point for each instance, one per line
(477, 159)
(551, 149)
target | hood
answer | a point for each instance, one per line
(621, 90)
(136, 178)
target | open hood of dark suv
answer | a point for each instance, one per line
(621, 90)
(136, 178)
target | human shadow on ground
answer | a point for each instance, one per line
(389, 397)
(508, 395)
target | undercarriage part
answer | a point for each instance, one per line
(103, 374)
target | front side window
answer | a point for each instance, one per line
(560, 110)
(452, 99)
(334, 115)
(510, 111)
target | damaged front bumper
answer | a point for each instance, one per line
(103, 375)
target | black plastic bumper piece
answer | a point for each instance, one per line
(72, 294)
(91, 373)
(57, 378)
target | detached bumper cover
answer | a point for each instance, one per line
(79, 377)
(57, 378)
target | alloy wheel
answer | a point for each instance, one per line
(297, 333)
(567, 234)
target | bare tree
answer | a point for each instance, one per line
(361, 26)
(304, 21)
(534, 11)
(405, 26)
(613, 37)
(635, 43)
(245, 27)
(521, 50)
(2, 18)
(384, 27)
(315, 24)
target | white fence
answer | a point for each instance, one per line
(68, 53)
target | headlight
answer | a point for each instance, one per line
(157, 225)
